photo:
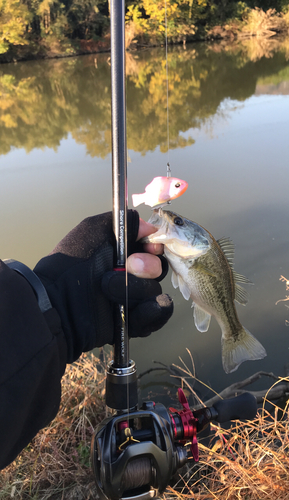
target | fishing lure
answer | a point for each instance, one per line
(161, 190)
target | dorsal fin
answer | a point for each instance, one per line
(227, 247)
(241, 295)
(242, 279)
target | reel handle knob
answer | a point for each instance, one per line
(243, 407)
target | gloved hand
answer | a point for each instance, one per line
(82, 286)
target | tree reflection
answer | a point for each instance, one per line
(41, 102)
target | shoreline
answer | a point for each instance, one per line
(228, 33)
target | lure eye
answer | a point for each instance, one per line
(177, 185)
(178, 221)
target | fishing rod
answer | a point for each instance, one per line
(135, 452)
(121, 382)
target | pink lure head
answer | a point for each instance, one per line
(177, 187)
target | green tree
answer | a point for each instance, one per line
(152, 17)
(87, 18)
(15, 19)
(279, 5)
(52, 18)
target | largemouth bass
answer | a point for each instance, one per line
(203, 270)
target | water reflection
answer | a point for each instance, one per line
(228, 139)
(42, 102)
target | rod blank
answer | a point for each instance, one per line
(119, 162)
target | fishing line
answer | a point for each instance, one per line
(126, 302)
(167, 84)
(125, 232)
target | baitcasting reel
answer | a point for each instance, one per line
(134, 455)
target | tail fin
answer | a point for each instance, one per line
(137, 199)
(236, 350)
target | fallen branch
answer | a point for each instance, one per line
(273, 393)
(170, 369)
(276, 391)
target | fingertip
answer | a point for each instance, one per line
(154, 248)
(144, 265)
(135, 265)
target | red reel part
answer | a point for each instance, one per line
(188, 425)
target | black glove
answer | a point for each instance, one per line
(82, 286)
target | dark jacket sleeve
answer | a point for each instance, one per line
(32, 362)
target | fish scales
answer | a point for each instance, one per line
(203, 270)
(216, 291)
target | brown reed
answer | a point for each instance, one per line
(262, 23)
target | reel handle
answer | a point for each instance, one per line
(243, 407)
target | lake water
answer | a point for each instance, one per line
(229, 138)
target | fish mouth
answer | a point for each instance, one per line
(163, 219)
(166, 230)
(180, 236)
(160, 221)
(157, 217)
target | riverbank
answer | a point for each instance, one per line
(249, 460)
(256, 23)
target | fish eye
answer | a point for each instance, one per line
(178, 221)
(177, 185)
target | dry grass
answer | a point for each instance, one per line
(131, 33)
(264, 24)
(249, 461)
(256, 23)
(286, 281)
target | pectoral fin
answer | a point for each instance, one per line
(174, 279)
(184, 288)
(202, 319)
(177, 281)
(202, 269)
